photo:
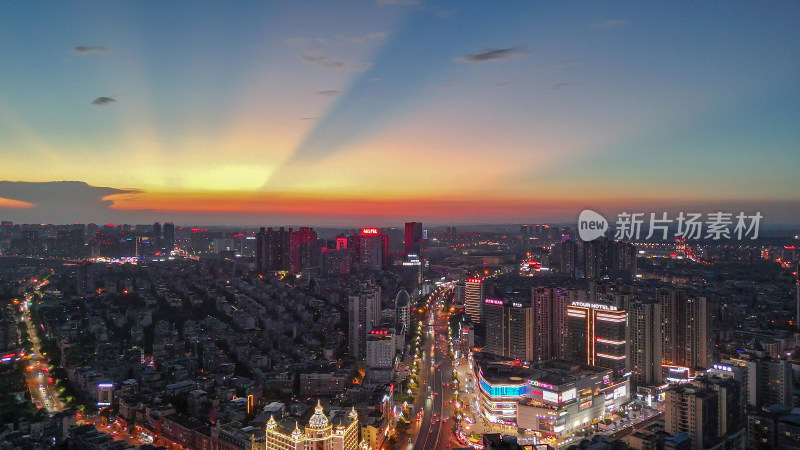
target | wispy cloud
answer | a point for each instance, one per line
(329, 93)
(89, 49)
(610, 23)
(324, 60)
(502, 84)
(308, 118)
(491, 54)
(101, 101)
(337, 39)
(561, 86)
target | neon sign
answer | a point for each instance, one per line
(594, 306)
(369, 231)
(490, 301)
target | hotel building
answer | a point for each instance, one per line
(337, 432)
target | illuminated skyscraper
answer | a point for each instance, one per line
(473, 298)
(596, 334)
(370, 249)
(413, 238)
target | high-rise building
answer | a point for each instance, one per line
(156, 231)
(695, 411)
(169, 236)
(566, 257)
(473, 298)
(687, 329)
(303, 249)
(596, 334)
(364, 315)
(644, 343)
(413, 238)
(730, 403)
(509, 328)
(370, 249)
(272, 250)
(604, 257)
(549, 307)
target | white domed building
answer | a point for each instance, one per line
(337, 432)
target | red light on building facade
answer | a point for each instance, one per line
(369, 231)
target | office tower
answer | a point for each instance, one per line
(692, 410)
(303, 249)
(596, 334)
(272, 250)
(402, 312)
(473, 298)
(364, 315)
(413, 238)
(774, 384)
(644, 343)
(549, 308)
(370, 249)
(738, 370)
(156, 232)
(412, 273)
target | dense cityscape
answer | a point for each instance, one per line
(399, 225)
(163, 336)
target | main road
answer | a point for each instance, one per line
(436, 427)
(37, 375)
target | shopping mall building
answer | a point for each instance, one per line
(553, 398)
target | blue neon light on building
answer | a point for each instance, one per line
(502, 391)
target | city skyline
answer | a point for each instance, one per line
(374, 112)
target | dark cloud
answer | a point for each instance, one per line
(88, 49)
(329, 93)
(491, 54)
(101, 101)
(610, 23)
(61, 201)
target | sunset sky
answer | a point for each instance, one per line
(343, 113)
